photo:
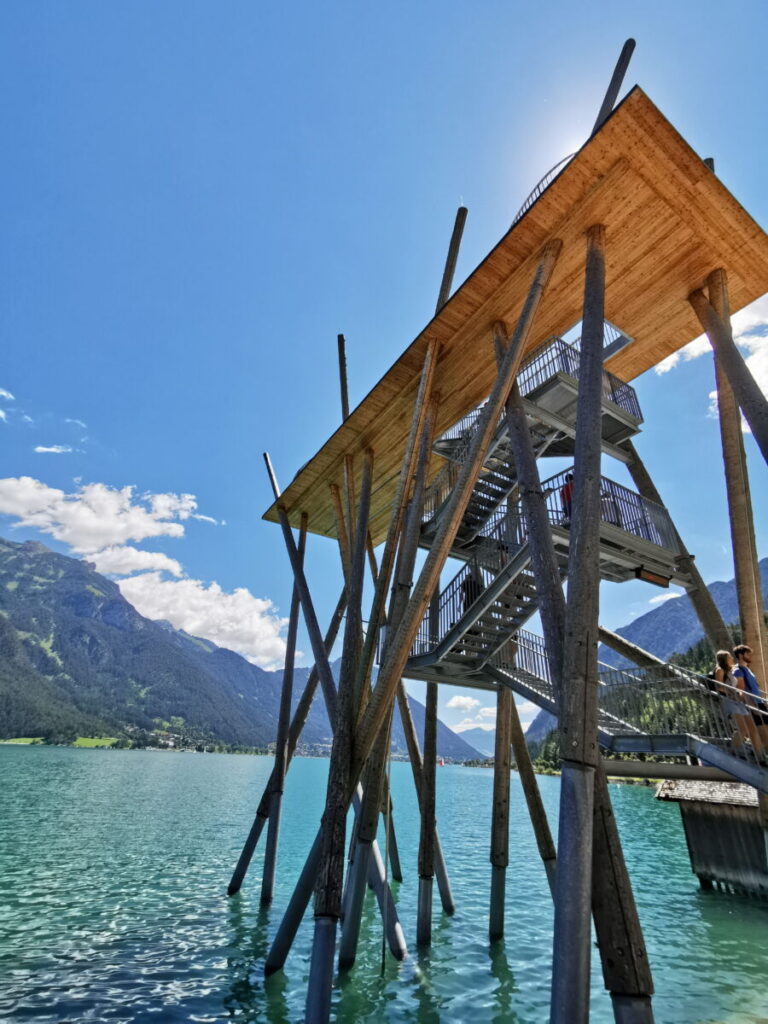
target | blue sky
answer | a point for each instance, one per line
(197, 197)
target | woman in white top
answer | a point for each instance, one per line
(733, 707)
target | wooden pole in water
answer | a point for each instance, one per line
(331, 869)
(533, 799)
(375, 775)
(417, 764)
(502, 767)
(620, 939)
(281, 742)
(703, 603)
(746, 390)
(294, 733)
(578, 699)
(747, 570)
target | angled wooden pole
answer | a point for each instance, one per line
(404, 483)
(375, 774)
(343, 377)
(615, 84)
(533, 800)
(331, 870)
(502, 767)
(708, 613)
(394, 664)
(451, 258)
(281, 742)
(294, 733)
(746, 390)
(749, 589)
(428, 808)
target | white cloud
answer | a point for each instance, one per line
(237, 620)
(95, 516)
(121, 561)
(6, 395)
(750, 331)
(54, 449)
(77, 423)
(463, 703)
(487, 713)
(3, 415)
(471, 723)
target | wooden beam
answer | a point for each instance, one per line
(281, 740)
(578, 699)
(749, 590)
(746, 390)
(500, 812)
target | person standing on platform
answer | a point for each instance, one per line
(754, 698)
(566, 498)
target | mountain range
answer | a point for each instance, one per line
(76, 658)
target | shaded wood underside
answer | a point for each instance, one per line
(669, 222)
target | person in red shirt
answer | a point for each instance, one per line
(566, 498)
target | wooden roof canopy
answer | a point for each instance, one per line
(669, 222)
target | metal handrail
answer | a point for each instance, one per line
(620, 507)
(541, 186)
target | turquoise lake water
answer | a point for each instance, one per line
(114, 865)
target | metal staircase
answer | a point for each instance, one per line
(548, 383)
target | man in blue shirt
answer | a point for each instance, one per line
(753, 697)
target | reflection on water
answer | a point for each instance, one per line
(113, 867)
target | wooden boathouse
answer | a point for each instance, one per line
(636, 239)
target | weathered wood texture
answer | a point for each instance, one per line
(749, 590)
(670, 222)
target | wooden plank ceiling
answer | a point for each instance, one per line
(669, 222)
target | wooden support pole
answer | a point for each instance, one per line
(749, 589)
(343, 377)
(630, 990)
(417, 765)
(711, 620)
(746, 390)
(627, 649)
(405, 479)
(451, 258)
(428, 808)
(500, 814)
(394, 664)
(533, 800)
(375, 774)
(578, 699)
(294, 733)
(331, 871)
(615, 84)
(281, 742)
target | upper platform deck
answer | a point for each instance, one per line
(669, 222)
